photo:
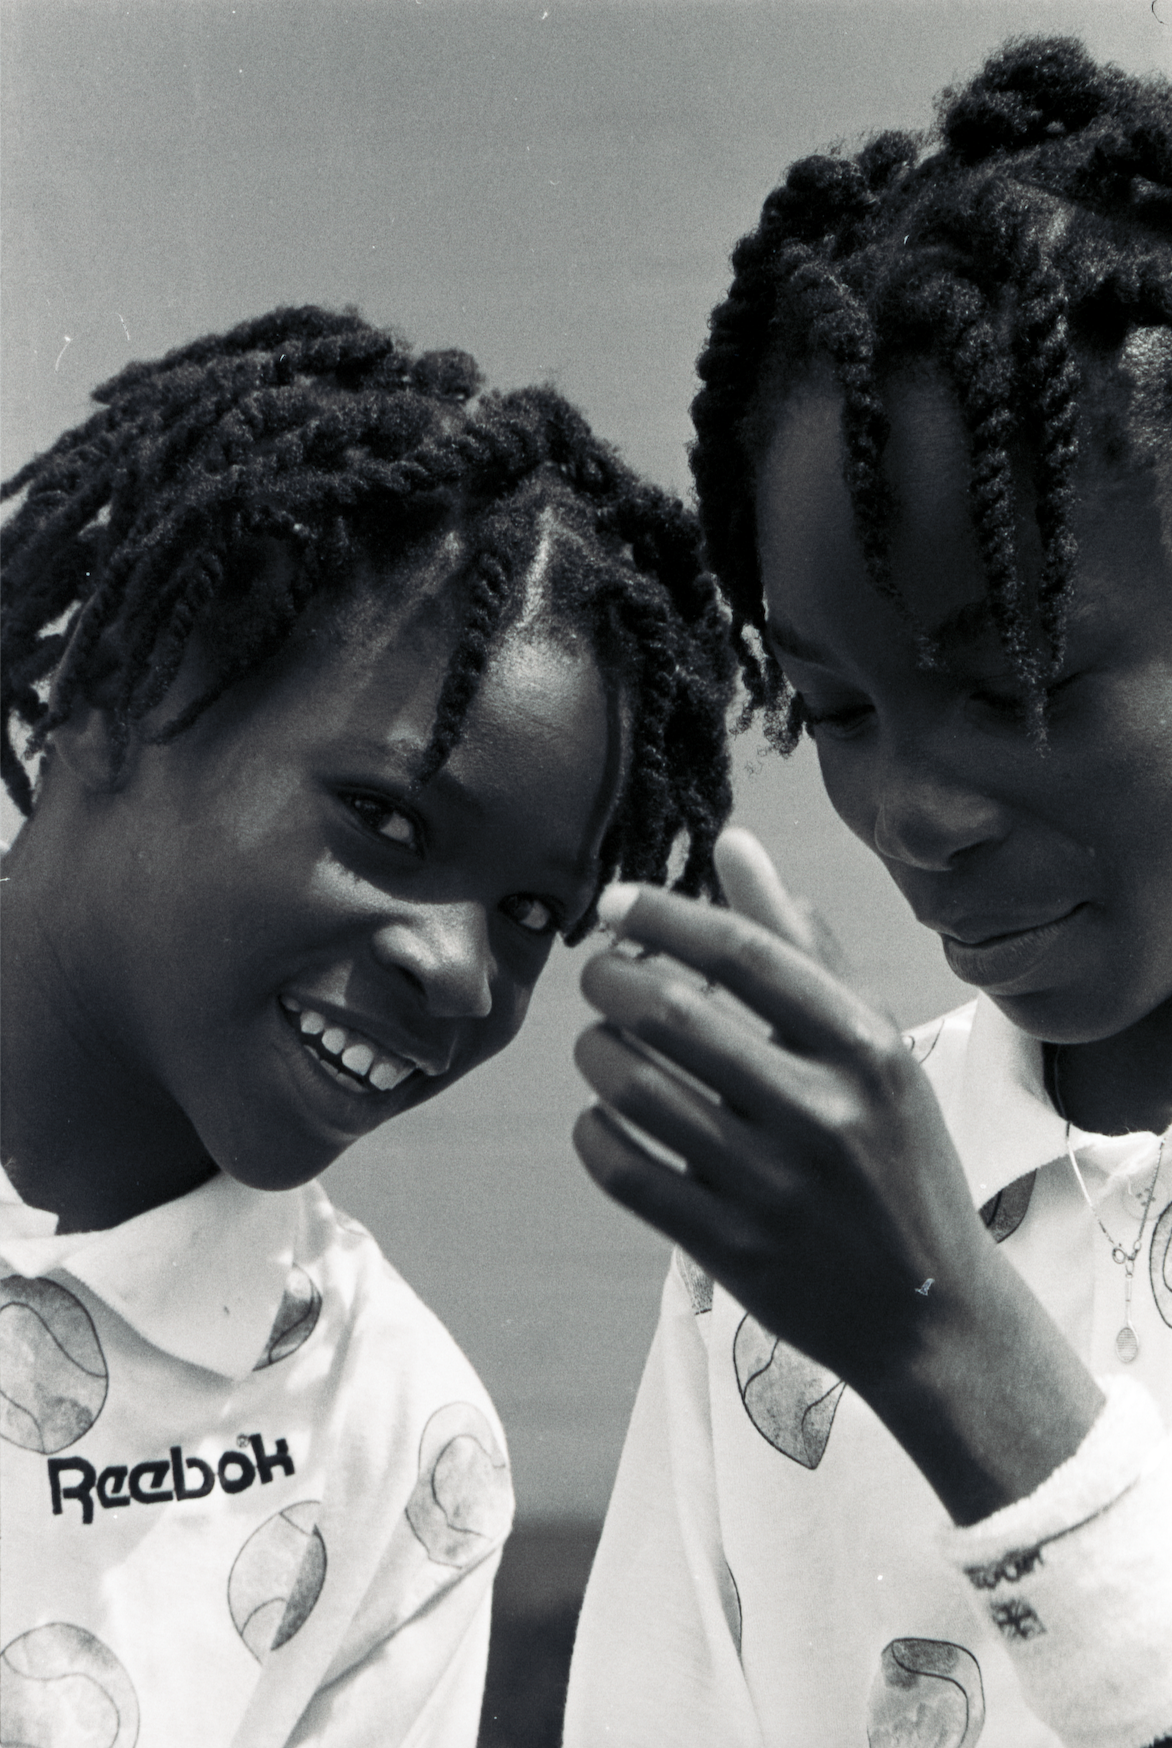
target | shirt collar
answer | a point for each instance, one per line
(200, 1277)
(989, 1078)
(1002, 1119)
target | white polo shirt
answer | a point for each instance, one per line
(252, 1492)
(771, 1574)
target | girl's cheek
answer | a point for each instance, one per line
(850, 787)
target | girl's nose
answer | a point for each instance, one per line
(444, 949)
(926, 818)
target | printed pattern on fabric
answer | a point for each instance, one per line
(463, 1500)
(1004, 1212)
(60, 1687)
(295, 1321)
(921, 1047)
(53, 1373)
(927, 1693)
(277, 1578)
(1015, 1618)
(790, 1399)
(1011, 1568)
(1160, 1265)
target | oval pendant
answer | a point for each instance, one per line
(1127, 1344)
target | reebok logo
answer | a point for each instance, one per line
(159, 1480)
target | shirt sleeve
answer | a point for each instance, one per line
(420, 1687)
(1077, 1579)
(656, 1657)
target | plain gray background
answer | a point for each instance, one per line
(554, 185)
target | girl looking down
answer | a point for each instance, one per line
(899, 1469)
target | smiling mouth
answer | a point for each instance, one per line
(349, 1057)
(1000, 959)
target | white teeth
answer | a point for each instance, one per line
(384, 1075)
(357, 1058)
(369, 1068)
(346, 1080)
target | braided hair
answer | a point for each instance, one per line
(1032, 241)
(316, 430)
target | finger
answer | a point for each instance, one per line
(826, 943)
(753, 888)
(813, 1009)
(677, 1205)
(652, 1000)
(718, 1146)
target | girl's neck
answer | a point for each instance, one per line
(83, 1137)
(1115, 1085)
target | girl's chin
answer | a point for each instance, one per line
(1069, 1016)
(292, 1130)
(282, 1142)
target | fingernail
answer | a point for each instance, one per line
(615, 904)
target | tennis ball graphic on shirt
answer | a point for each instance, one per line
(276, 1578)
(790, 1399)
(53, 1375)
(463, 1500)
(295, 1321)
(62, 1688)
(1004, 1212)
(1160, 1265)
(927, 1693)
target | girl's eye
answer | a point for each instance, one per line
(532, 914)
(388, 821)
(398, 828)
(840, 724)
(1010, 703)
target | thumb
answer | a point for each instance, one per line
(754, 889)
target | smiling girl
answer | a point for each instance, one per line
(351, 691)
(898, 1472)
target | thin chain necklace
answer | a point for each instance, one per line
(1126, 1341)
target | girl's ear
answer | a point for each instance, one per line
(82, 744)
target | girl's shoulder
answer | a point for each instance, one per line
(341, 1275)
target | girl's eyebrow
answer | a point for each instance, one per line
(965, 625)
(789, 641)
(405, 752)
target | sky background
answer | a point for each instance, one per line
(555, 186)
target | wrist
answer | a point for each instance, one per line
(991, 1398)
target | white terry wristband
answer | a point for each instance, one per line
(1078, 1580)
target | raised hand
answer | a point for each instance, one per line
(819, 1183)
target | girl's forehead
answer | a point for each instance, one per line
(811, 555)
(806, 523)
(431, 584)
(926, 444)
